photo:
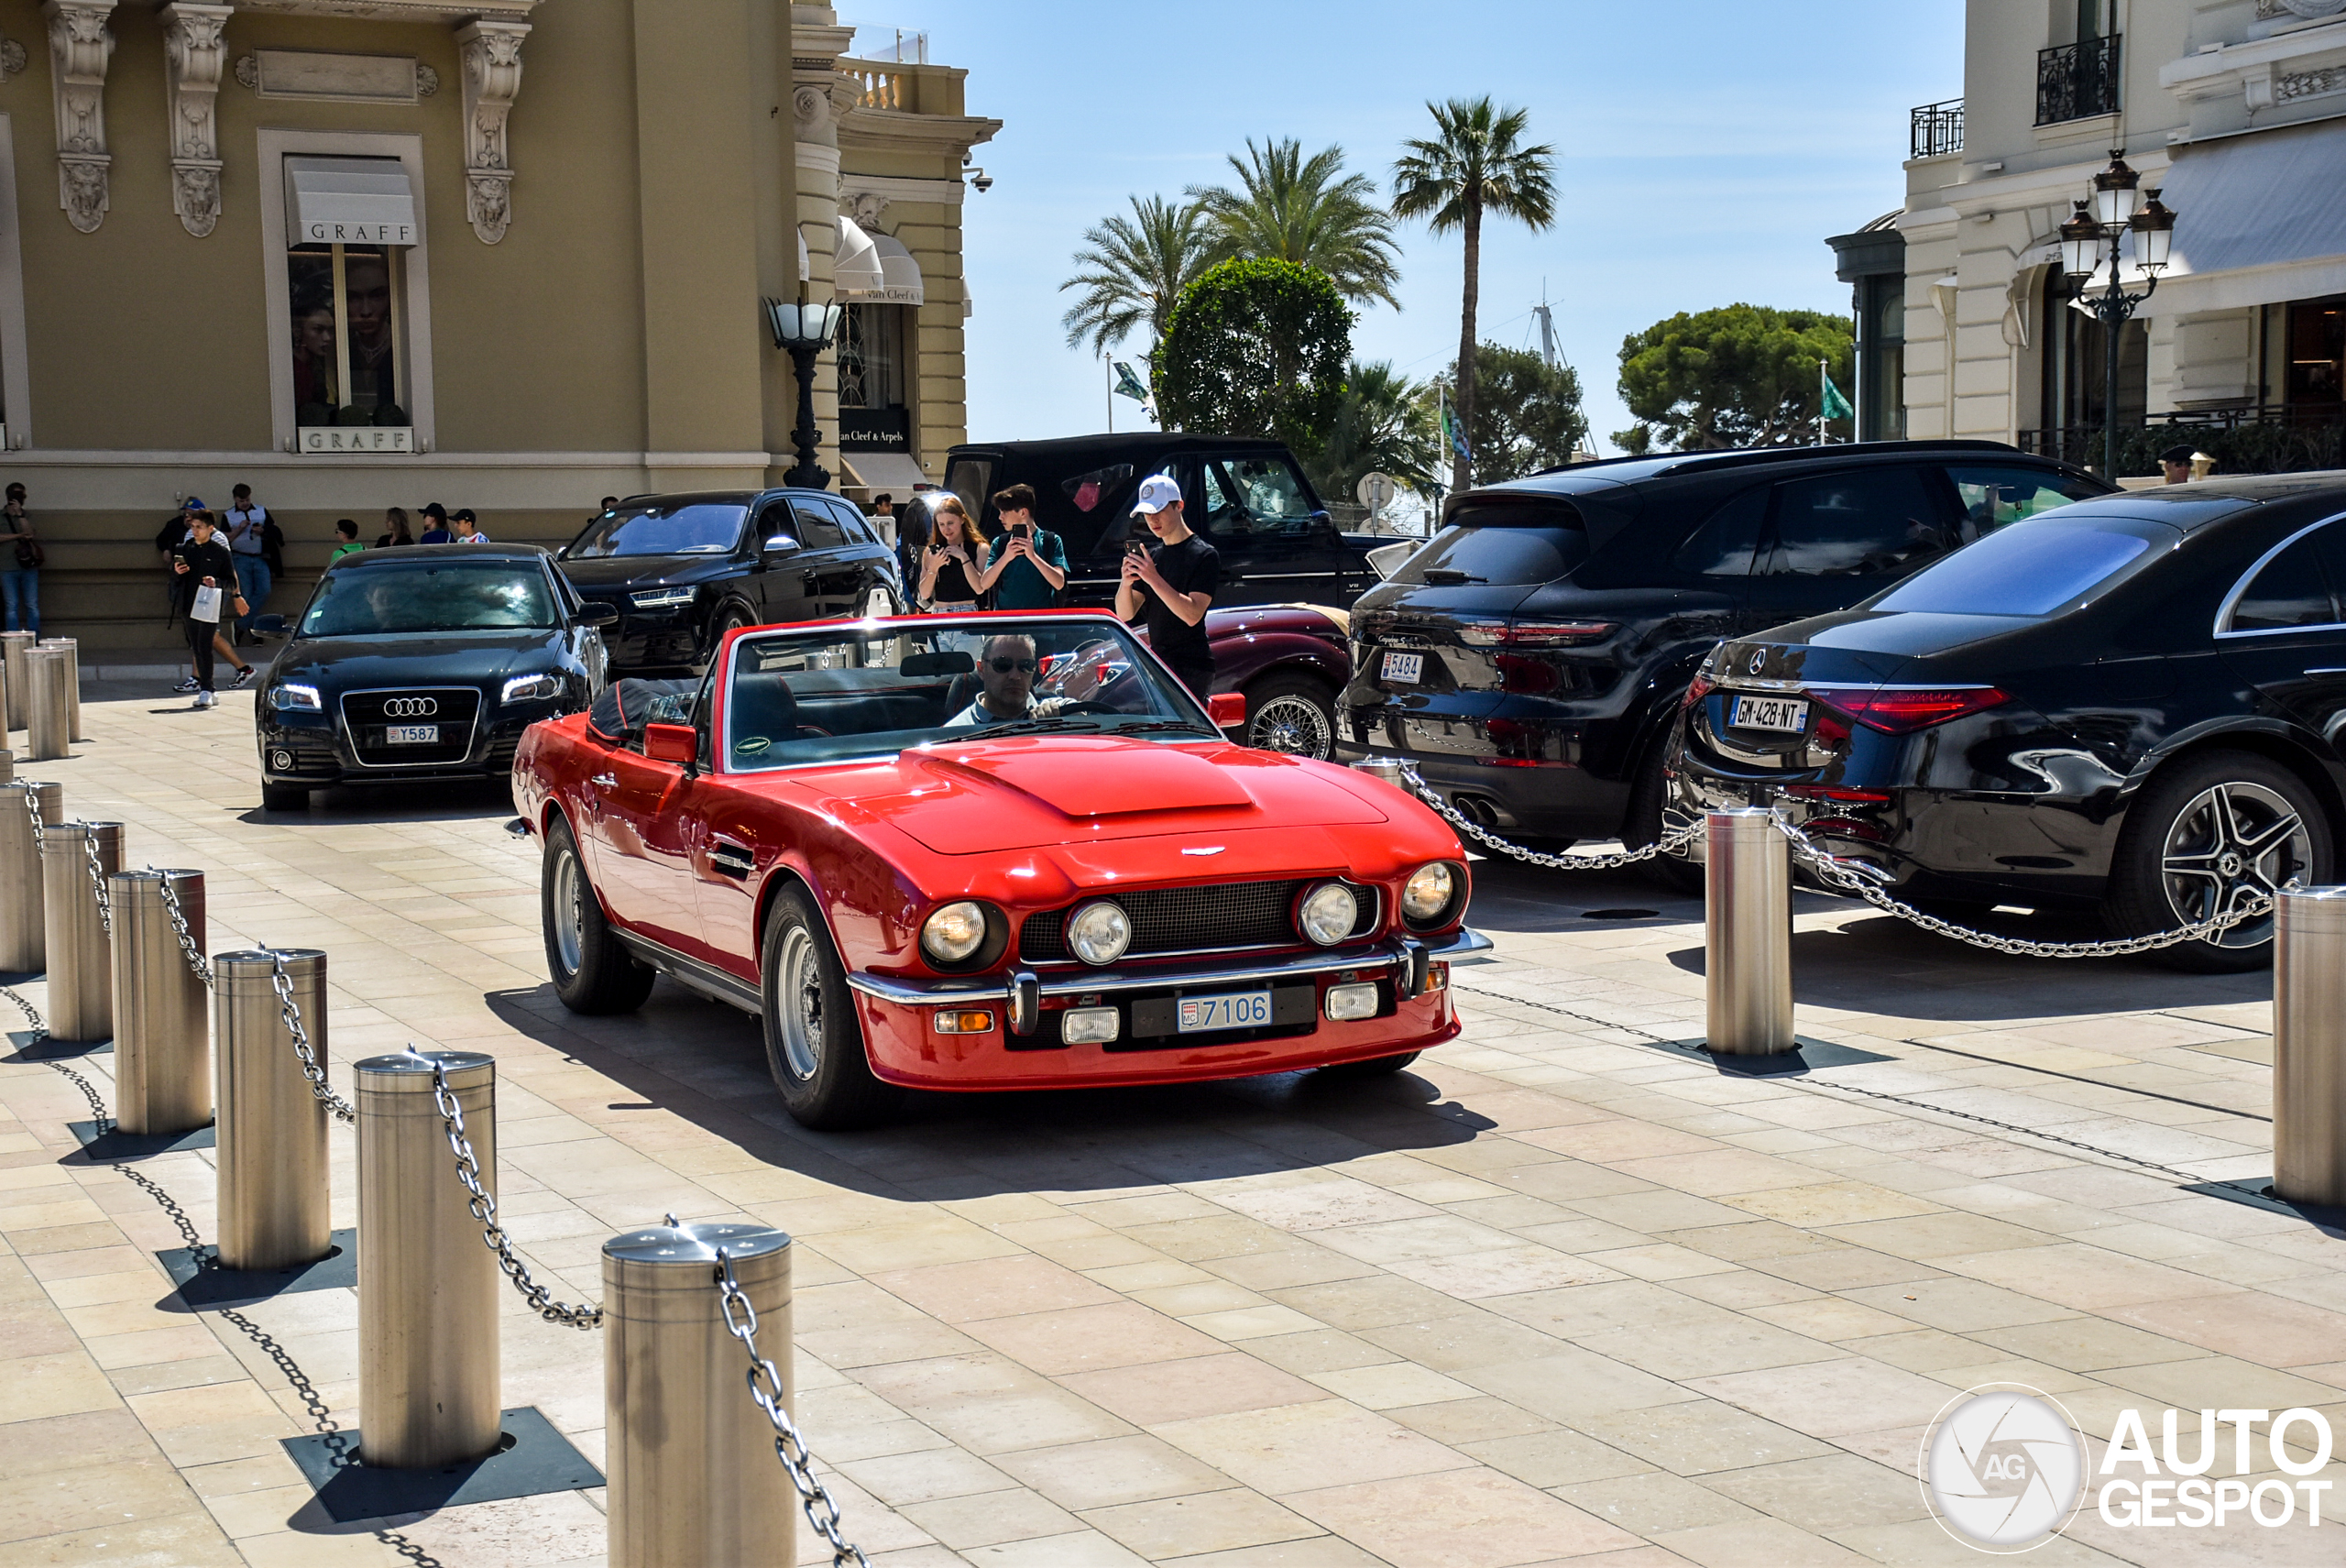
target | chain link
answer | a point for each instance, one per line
(32, 811)
(1669, 844)
(282, 984)
(483, 1209)
(765, 1386)
(195, 958)
(31, 1012)
(98, 881)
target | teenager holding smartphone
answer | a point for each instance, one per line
(1026, 566)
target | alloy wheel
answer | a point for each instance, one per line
(570, 911)
(1292, 724)
(2230, 843)
(799, 1001)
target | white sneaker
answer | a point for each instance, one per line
(243, 676)
(189, 684)
(205, 699)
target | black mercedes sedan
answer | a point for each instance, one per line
(2134, 704)
(422, 664)
(683, 570)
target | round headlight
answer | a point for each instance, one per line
(954, 932)
(1328, 913)
(1430, 889)
(1100, 932)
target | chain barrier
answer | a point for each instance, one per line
(32, 810)
(765, 1386)
(282, 984)
(483, 1209)
(195, 958)
(31, 1012)
(98, 881)
(1669, 844)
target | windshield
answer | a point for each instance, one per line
(2033, 567)
(698, 528)
(808, 697)
(1506, 547)
(429, 594)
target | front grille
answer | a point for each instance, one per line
(369, 715)
(1192, 919)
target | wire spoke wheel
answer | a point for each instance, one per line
(800, 994)
(1293, 724)
(569, 911)
(2232, 842)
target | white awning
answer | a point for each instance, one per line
(348, 201)
(874, 268)
(890, 471)
(2259, 219)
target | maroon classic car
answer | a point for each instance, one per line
(1289, 661)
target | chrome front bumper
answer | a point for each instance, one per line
(1407, 960)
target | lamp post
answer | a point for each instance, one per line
(2115, 208)
(803, 331)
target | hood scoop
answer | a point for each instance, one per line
(1088, 777)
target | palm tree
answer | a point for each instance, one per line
(1135, 268)
(1291, 208)
(1385, 422)
(1476, 165)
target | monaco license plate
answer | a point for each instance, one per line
(411, 735)
(1230, 1010)
(1783, 713)
(1405, 667)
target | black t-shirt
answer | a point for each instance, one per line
(1192, 566)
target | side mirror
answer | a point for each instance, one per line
(269, 625)
(1227, 709)
(594, 614)
(672, 744)
(779, 544)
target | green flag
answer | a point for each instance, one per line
(1836, 405)
(1127, 384)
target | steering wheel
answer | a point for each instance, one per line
(1088, 707)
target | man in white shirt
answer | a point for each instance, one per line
(243, 523)
(1007, 669)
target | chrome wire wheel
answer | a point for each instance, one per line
(2230, 843)
(1291, 723)
(798, 1002)
(569, 911)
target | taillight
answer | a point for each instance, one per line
(1835, 792)
(1899, 710)
(1496, 633)
(1696, 690)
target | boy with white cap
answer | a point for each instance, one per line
(1170, 588)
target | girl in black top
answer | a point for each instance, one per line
(396, 517)
(950, 566)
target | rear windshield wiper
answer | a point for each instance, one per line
(1444, 577)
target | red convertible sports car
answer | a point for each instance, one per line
(986, 852)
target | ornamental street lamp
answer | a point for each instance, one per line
(803, 331)
(2114, 210)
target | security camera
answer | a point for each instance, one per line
(983, 180)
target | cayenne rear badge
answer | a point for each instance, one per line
(1205, 850)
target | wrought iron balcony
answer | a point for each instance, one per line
(1937, 128)
(2075, 81)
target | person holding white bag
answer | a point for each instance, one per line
(206, 570)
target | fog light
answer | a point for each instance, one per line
(281, 761)
(977, 1021)
(1347, 1002)
(1089, 1025)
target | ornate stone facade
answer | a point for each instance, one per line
(492, 59)
(192, 58)
(80, 48)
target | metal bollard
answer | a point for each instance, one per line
(71, 648)
(81, 954)
(1747, 934)
(8, 767)
(2310, 1045)
(273, 1195)
(12, 672)
(428, 1351)
(1386, 768)
(49, 716)
(24, 938)
(162, 1027)
(694, 1480)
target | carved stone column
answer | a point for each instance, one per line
(79, 45)
(192, 58)
(493, 59)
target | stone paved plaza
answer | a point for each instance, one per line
(1555, 1295)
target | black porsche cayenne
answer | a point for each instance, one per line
(422, 664)
(2133, 704)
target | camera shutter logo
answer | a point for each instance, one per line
(2003, 1468)
(410, 707)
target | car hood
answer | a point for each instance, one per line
(410, 658)
(1031, 792)
(645, 571)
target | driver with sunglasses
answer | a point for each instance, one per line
(1006, 670)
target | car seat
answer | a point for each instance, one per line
(959, 693)
(762, 708)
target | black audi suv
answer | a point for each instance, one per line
(422, 663)
(2135, 704)
(1529, 659)
(683, 570)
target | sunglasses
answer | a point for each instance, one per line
(1004, 666)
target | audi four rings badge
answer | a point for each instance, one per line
(410, 706)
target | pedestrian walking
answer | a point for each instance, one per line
(247, 525)
(21, 558)
(346, 540)
(1026, 567)
(468, 529)
(396, 531)
(949, 565)
(883, 518)
(206, 570)
(435, 525)
(1169, 590)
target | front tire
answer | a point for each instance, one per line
(592, 974)
(2203, 837)
(1649, 818)
(1291, 713)
(813, 1040)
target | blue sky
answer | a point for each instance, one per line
(1706, 147)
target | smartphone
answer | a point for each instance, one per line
(1134, 547)
(1025, 530)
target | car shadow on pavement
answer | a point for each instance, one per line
(446, 800)
(706, 1062)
